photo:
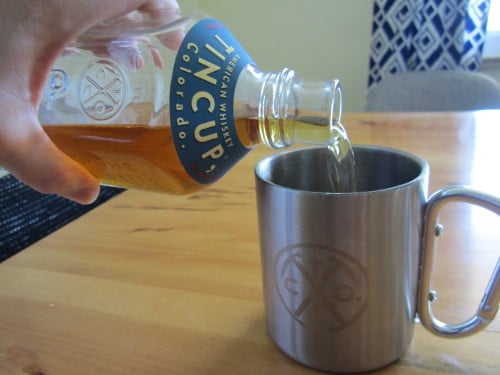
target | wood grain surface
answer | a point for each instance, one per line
(158, 284)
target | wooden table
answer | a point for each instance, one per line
(157, 284)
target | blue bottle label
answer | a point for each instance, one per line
(204, 78)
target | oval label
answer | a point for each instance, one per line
(206, 69)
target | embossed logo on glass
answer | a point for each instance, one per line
(102, 90)
(57, 84)
(322, 288)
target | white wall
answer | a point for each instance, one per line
(320, 39)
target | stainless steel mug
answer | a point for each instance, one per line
(341, 270)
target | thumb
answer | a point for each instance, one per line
(29, 154)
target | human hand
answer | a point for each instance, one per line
(32, 35)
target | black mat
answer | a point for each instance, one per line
(27, 216)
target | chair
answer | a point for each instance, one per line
(447, 90)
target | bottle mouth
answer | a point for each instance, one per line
(291, 111)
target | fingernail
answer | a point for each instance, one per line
(86, 195)
(136, 60)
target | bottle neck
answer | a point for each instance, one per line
(287, 110)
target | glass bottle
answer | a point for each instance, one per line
(170, 102)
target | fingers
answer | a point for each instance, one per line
(31, 157)
(25, 149)
(152, 5)
(159, 13)
(115, 37)
(49, 171)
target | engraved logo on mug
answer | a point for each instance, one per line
(322, 288)
(102, 90)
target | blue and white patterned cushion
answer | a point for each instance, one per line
(414, 35)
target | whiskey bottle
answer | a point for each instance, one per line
(170, 102)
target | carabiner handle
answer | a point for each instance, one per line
(488, 307)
